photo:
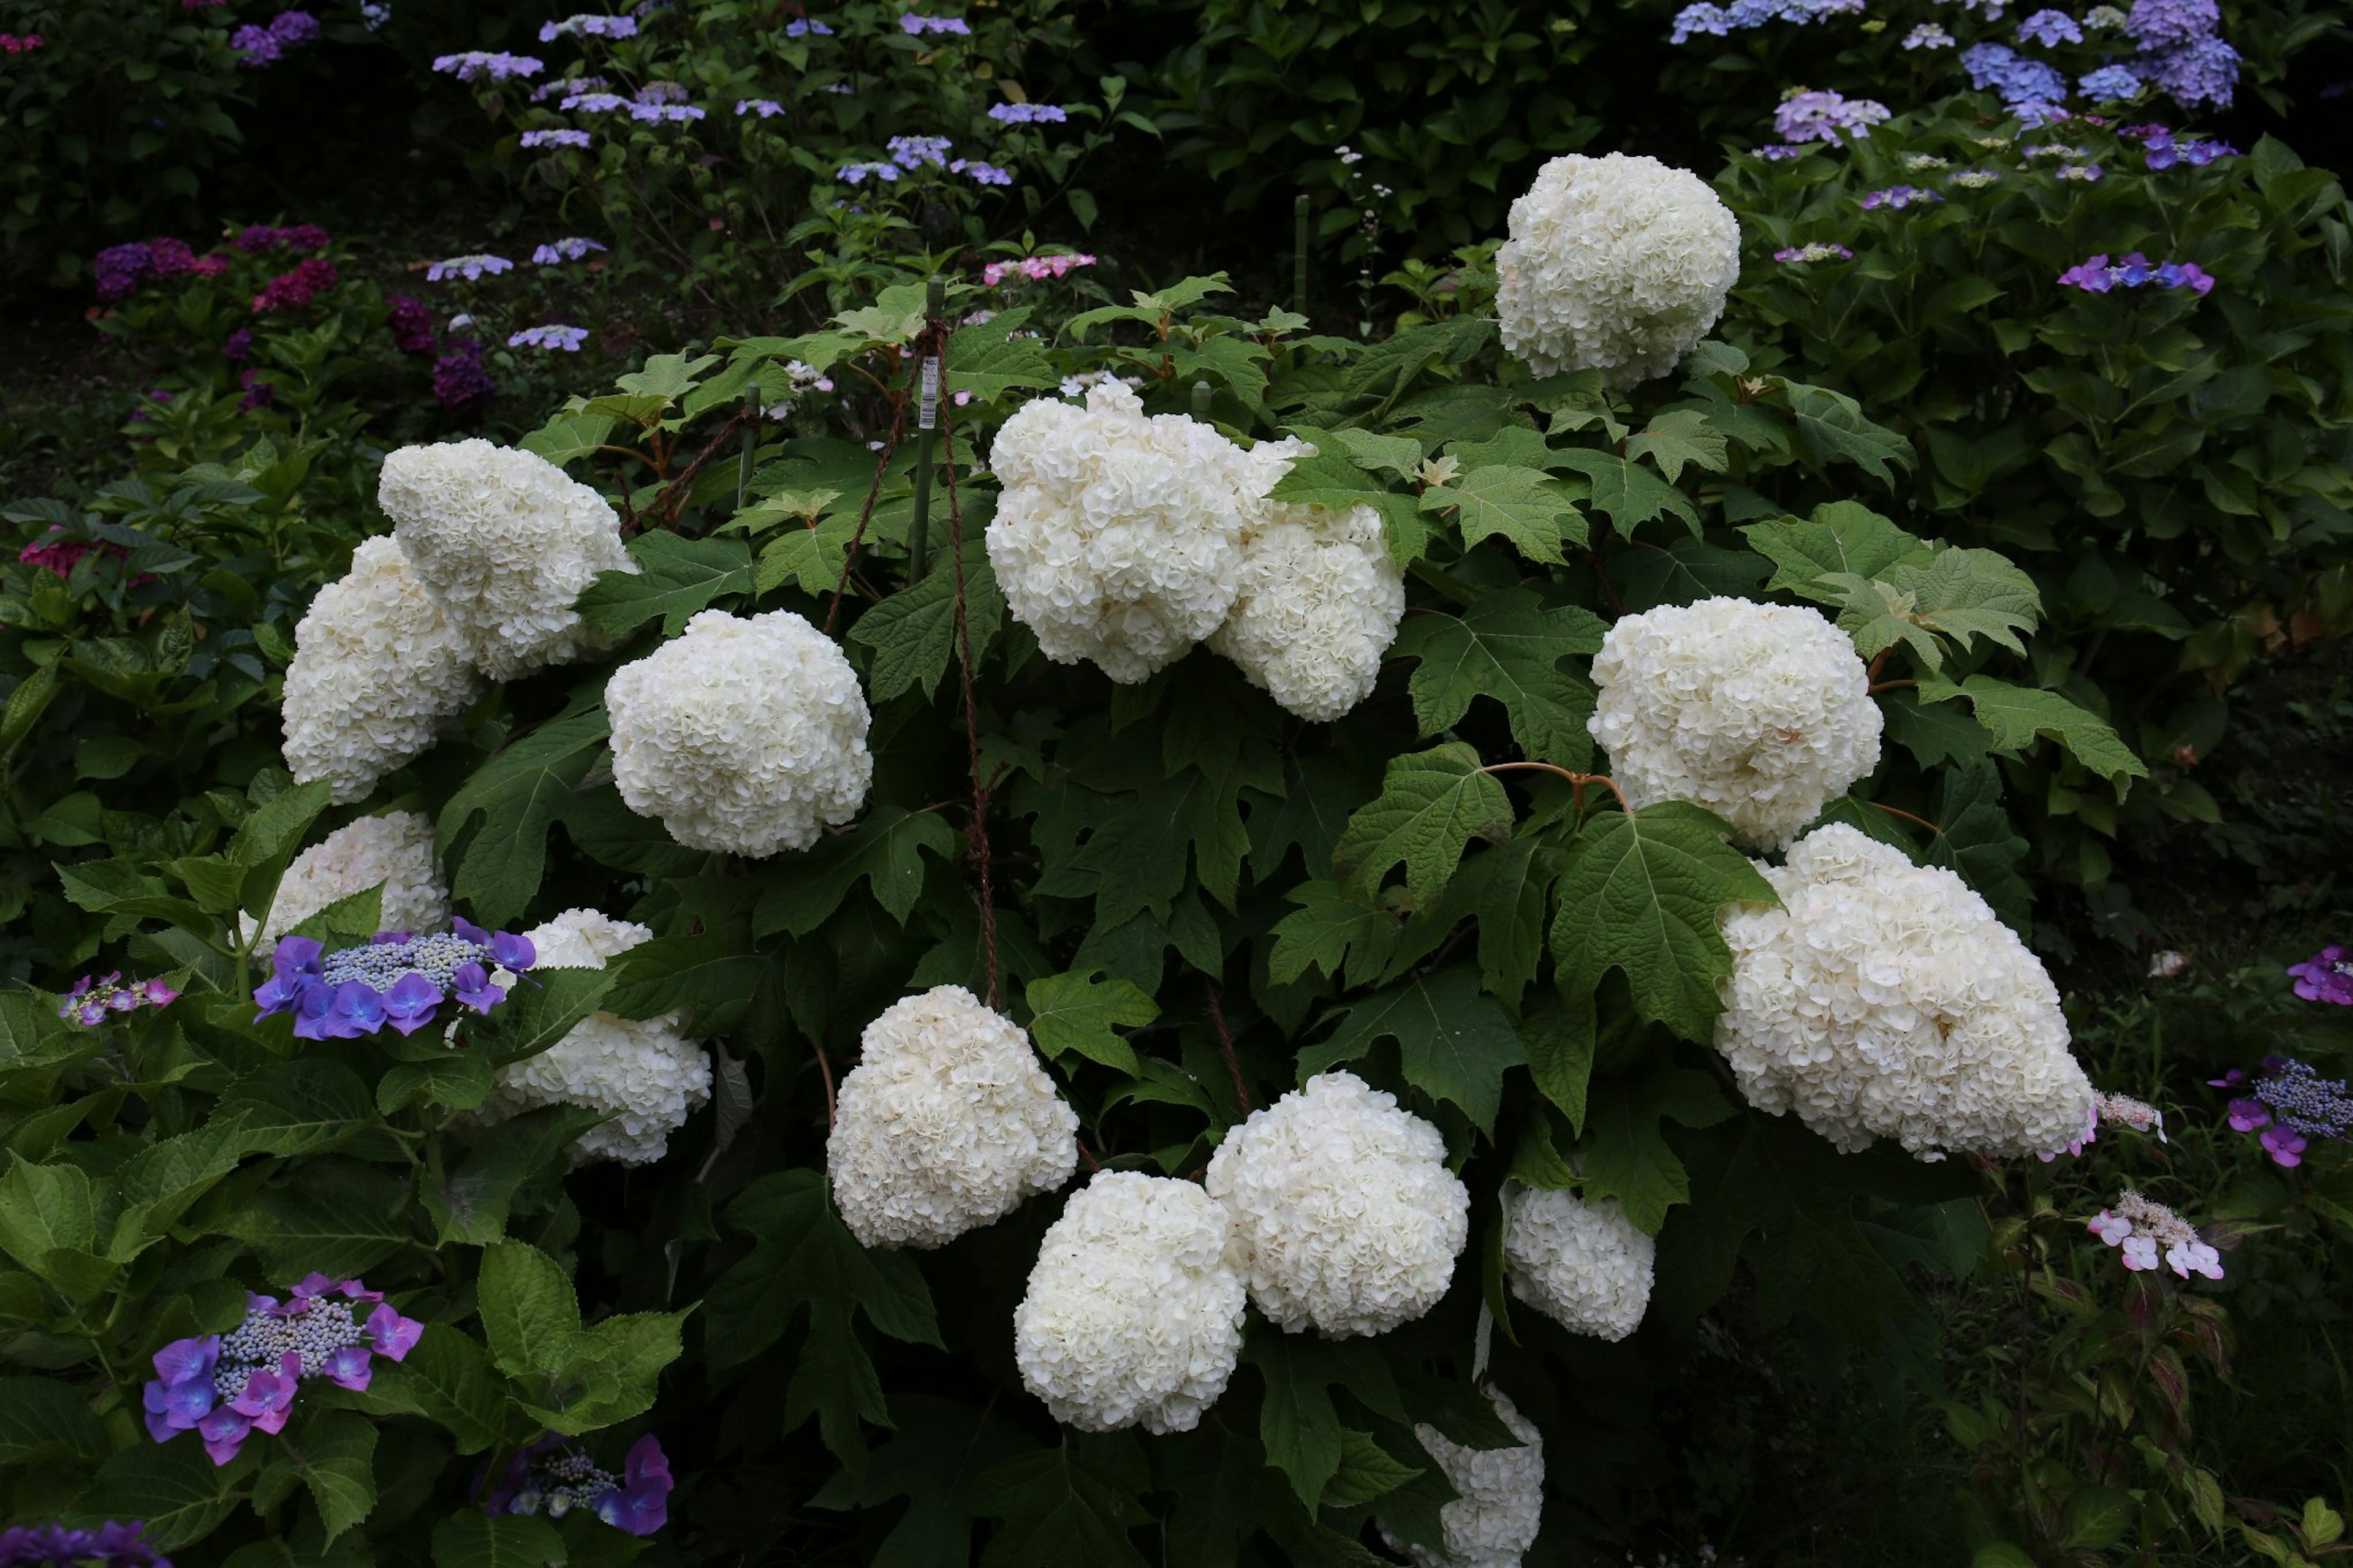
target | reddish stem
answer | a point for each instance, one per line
(1226, 1044)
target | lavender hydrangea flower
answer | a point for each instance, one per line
(917, 152)
(1806, 255)
(554, 1476)
(589, 26)
(981, 173)
(2109, 84)
(475, 64)
(1927, 36)
(570, 248)
(802, 27)
(111, 1545)
(2290, 1104)
(594, 104)
(664, 113)
(565, 85)
(2049, 28)
(90, 1002)
(765, 108)
(1028, 113)
(564, 137)
(2162, 152)
(469, 268)
(856, 174)
(2139, 1228)
(358, 990)
(1824, 116)
(2169, 24)
(1898, 197)
(2016, 80)
(567, 339)
(2134, 270)
(2205, 72)
(915, 25)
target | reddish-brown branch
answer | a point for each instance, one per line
(1878, 686)
(1087, 1155)
(976, 827)
(1906, 817)
(1226, 1044)
(665, 507)
(1872, 672)
(866, 512)
(1579, 780)
(825, 1072)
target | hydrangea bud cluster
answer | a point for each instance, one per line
(1762, 713)
(1494, 1519)
(2291, 1105)
(2113, 1110)
(1883, 999)
(1345, 1217)
(554, 1476)
(393, 851)
(111, 1545)
(2140, 1228)
(1584, 1265)
(394, 981)
(1134, 1313)
(1617, 264)
(505, 541)
(379, 670)
(225, 1387)
(946, 1124)
(646, 1074)
(91, 1002)
(747, 734)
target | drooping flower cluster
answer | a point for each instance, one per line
(1494, 1519)
(645, 1073)
(2135, 270)
(1345, 1217)
(89, 1002)
(1614, 264)
(1585, 1266)
(1134, 1312)
(393, 851)
(2141, 1228)
(379, 668)
(555, 1475)
(747, 734)
(1824, 116)
(111, 1545)
(1762, 713)
(946, 1124)
(503, 541)
(1883, 999)
(394, 981)
(2291, 1104)
(225, 1387)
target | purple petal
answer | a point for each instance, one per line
(182, 1360)
(515, 953)
(393, 1335)
(349, 1367)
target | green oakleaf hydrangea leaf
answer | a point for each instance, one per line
(1842, 539)
(1077, 1012)
(677, 578)
(1432, 804)
(1678, 437)
(1527, 508)
(2016, 716)
(1509, 647)
(1454, 1042)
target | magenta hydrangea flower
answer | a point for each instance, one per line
(90, 1002)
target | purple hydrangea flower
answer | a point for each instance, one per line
(572, 248)
(566, 85)
(856, 174)
(915, 151)
(120, 268)
(2169, 23)
(567, 339)
(1927, 36)
(90, 1002)
(462, 383)
(1824, 116)
(554, 1476)
(411, 323)
(1701, 18)
(475, 64)
(1028, 113)
(981, 173)
(765, 108)
(349, 993)
(2134, 270)
(2016, 80)
(591, 26)
(594, 104)
(111, 1545)
(469, 268)
(557, 138)
(805, 25)
(2206, 72)
(2049, 28)
(1818, 251)
(1898, 197)
(2109, 84)
(915, 25)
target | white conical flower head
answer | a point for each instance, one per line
(394, 851)
(947, 1124)
(1883, 999)
(1762, 713)
(1133, 1314)
(1494, 1520)
(1346, 1216)
(379, 670)
(505, 540)
(747, 734)
(1585, 1266)
(1618, 264)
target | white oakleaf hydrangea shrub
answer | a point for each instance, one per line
(947, 1124)
(747, 734)
(1117, 537)
(645, 1072)
(394, 851)
(1618, 264)
(1883, 999)
(1585, 1266)
(1319, 597)
(1133, 1314)
(1345, 1217)
(1494, 1523)
(505, 540)
(379, 670)
(1762, 713)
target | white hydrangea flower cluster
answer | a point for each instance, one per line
(1585, 1266)
(946, 1124)
(1134, 1313)
(1883, 999)
(645, 1072)
(1495, 1520)
(747, 734)
(505, 540)
(1345, 1217)
(379, 668)
(1618, 264)
(1762, 713)
(394, 851)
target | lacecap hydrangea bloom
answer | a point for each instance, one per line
(1584, 1265)
(1345, 1217)
(1883, 1000)
(747, 734)
(1494, 1520)
(1618, 264)
(396, 980)
(505, 541)
(1762, 713)
(113, 1544)
(1319, 596)
(556, 1474)
(645, 1073)
(393, 851)
(946, 1124)
(1133, 1314)
(379, 670)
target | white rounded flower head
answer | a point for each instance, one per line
(1883, 999)
(1117, 537)
(1133, 1314)
(1320, 598)
(1762, 713)
(379, 672)
(645, 1073)
(1618, 264)
(394, 851)
(1495, 1520)
(747, 734)
(505, 540)
(946, 1124)
(1585, 1266)
(1345, 1217)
